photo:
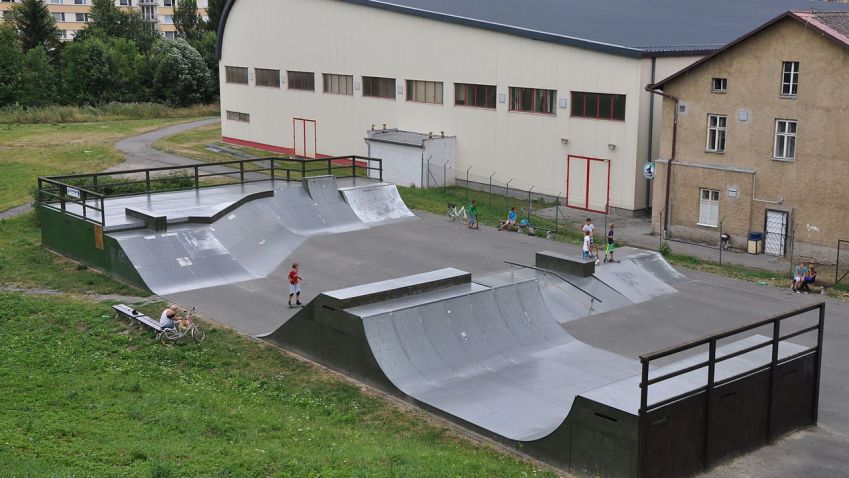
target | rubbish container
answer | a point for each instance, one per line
(756, 242)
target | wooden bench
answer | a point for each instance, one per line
(137, 317)
(532, 230)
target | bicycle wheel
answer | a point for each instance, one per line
(464, 218)
(169, 336)
(451, 215)
(198, 334)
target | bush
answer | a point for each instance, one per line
(664, 249)
(180, 75)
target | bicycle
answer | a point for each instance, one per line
(455, 213)
(172, 335)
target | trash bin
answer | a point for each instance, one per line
(756, 242)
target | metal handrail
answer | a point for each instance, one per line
(712, 360)
(555, 274)
(93, 191)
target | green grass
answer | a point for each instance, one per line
(25, 263)
(108, 112)
(85, 396)
(28, 151)
(490, 213)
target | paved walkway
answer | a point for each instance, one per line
(638, 232)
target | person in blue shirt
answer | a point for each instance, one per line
(510, 223)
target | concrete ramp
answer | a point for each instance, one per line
(640, 277)
(377, 204)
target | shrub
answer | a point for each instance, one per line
(180, 75)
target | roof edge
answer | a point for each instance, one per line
(613, 49)
(795, 15)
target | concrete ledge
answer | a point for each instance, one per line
(396, 288)
(151, 220)
(560, 263)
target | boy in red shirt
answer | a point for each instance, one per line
(295, 284)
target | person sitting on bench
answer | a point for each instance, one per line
(510, 223)
(170, 320)
(810, 278)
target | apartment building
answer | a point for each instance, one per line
(72, 15)
(757, 142)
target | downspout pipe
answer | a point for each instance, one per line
(652, 90)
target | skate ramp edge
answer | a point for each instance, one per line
(377, 203)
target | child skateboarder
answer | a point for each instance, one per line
(608, 251)
(295, 285)
(473, 214)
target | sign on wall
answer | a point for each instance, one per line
(649, 170)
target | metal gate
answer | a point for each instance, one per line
(305, 137)
(588, 183)
(776, 232)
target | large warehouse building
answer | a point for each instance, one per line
(547, 94)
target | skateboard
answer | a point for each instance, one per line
(295, 306)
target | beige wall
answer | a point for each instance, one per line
(324, 36)
(813, 185)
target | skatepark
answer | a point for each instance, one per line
(619, 369)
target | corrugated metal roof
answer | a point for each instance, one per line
(634, 28)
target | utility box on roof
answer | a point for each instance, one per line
(423, 160)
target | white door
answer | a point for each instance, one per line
(776, 232)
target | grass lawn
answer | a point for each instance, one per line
(25, 263)
(84, 395)
(31, 150)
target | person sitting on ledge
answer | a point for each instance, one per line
(510, 223)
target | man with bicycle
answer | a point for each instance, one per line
(170, 320)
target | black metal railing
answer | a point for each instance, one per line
(555, 274)
(712, 359)
(89, 191)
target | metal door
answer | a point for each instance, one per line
(776, 232)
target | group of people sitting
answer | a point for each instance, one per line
(803, 276)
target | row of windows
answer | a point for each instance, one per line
(531, 100)
(237, 116)
(784, 146)
(789, 80)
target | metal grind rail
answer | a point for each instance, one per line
(525, 266)
(89, 191)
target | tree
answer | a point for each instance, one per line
(38, 86)
(11, 66)
(206, 47)
(105, 19)
(189, 23)
(214, 11)
(35, 25)
(180, 76)
(87, 73)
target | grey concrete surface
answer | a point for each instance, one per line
(637, 231)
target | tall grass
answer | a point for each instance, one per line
(107, 112)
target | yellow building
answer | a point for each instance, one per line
(753, 139)
(72, 15)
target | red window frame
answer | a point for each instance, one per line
(579, 105)
(379, 87)
(471, 90)
(547, 98)
(301, 80)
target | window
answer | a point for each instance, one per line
(148, 12)
(379, 87)
(302, 80)
(170, 34)
(58, 16)
(424, 91)
(79, 2)
(479, 96)
(236, 74)
(598, 106)
(168, 3)
(716, 133)
(236, 116)
(533, 100)
(267, 77)
(719, 85)
(338, 84)
(126, 3)
(709, 207)
(790, 78)
(63, 34)
(168, 19)
(58, 2)
(82, 17)
(785, 139)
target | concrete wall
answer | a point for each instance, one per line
(324, 36)
(812, 187)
